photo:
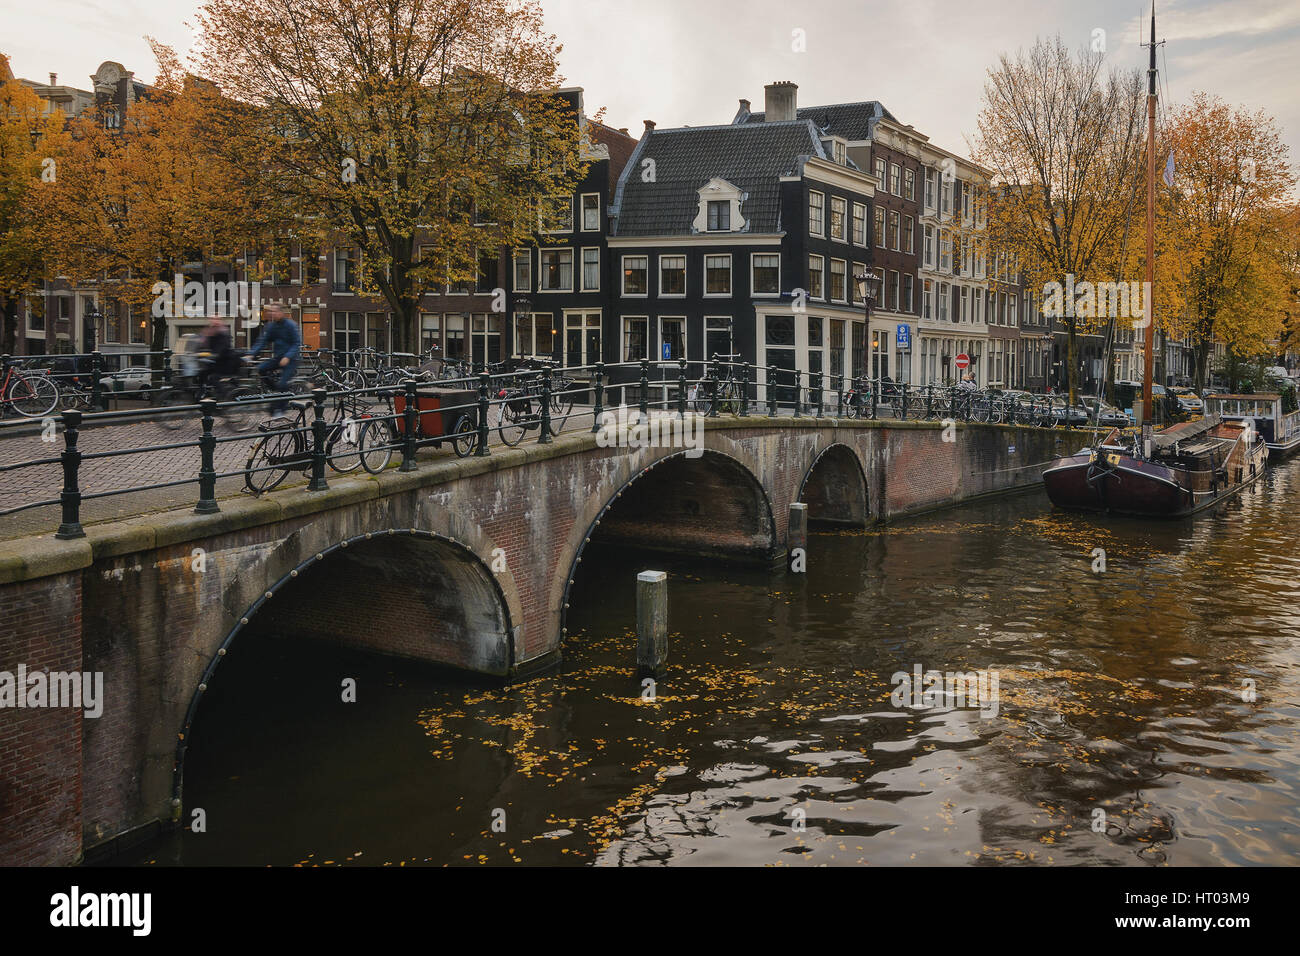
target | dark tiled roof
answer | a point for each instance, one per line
(853, 121)
(752, 158)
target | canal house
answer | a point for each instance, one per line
(745, 240)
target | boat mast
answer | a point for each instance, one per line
(1148, 338)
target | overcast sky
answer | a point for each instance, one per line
(688, 62)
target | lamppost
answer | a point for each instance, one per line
(90, 328)
(524, 310)
(867, 292)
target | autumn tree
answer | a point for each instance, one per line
(31, 145)
(1064, 142)
(138, 197)
(420, 133)
(1233, 179)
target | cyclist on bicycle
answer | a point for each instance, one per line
(280, 333)
(217, 355)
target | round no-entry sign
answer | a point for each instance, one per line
(963, 360)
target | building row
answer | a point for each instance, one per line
(826, 238)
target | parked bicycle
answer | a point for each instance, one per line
(30, 393)
(727, 397)
(288, 447)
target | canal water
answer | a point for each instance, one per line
(1146, 714)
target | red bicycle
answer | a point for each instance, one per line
(29, 393)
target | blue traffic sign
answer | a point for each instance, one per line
(904, 337)
(668, 350)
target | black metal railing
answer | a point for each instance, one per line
(343, 430)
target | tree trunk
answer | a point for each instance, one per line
(9, 332)
(1072, 365)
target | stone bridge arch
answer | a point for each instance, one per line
(835, 488)
(710, 504)
(450, 609)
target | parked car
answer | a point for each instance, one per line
(134, 378)
(1073, 416)
(1189, 401)
(1106, 414)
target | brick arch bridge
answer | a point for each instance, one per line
(466, 563)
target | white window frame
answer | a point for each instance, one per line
(828, 289)
(541, 271)
(730, 277)
(820, 231)
(582, 206)
(685, 276)
(844, 209)
(659, 337)
(582, 280)
(622, 282)
(860, 236)
(753, 286)
(622, 337)
(821, 271)
(514, 270)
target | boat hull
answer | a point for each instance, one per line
(1127, 486)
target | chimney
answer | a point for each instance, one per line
(623, 130)
(54, 79)
(744, 106)
(781, 100)
(649, 125)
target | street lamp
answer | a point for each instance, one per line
(867, 292)
(524, 310)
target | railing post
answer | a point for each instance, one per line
(545, 437)
(645, 389)
(839, 395)
(819, 393)
(207, 467)
(681, 388)
(484, 383)
(929, 400)
(167, 367)
(599, 408)
(952, 403)
(875, 397)
(97, 400)
(798, 387)
(771, 393)
(714, 370)
(318, 430)
(410, 418)
(902, 402)
(744, 391)
(70, 498)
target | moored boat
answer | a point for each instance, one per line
(1280, 430)
(1188, 468)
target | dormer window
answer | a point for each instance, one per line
(719, 215)
(719, 209)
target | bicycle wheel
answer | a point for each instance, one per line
(343, 447)
(352, 379)
(33, 395)
(375, 440)
(916, 404)
(72, 397)
(729, 398)
(263, 470)
(171, 400)
(513, 416)
(466, 437)
(698, 397)
(241, 415)
(561, 406)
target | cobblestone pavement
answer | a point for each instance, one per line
(152, 466)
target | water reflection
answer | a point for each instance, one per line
(772, 739)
